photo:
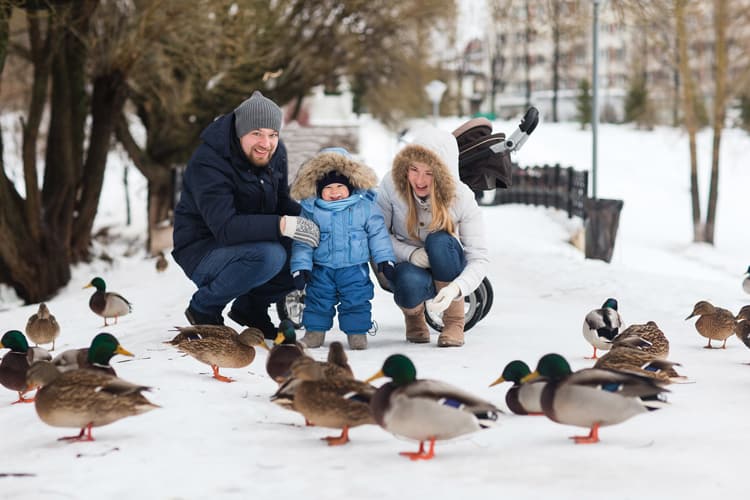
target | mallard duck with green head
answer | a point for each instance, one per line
(632, 360)
(425, 410)
(15, 364)
(104, 346)
(219, 346)
(647, 337)
(84, 399)
(714, 323)
(331, 398)
(601, 325)
(42, 327)
(107, 304)
(593, 397)
(522, 399)
(285, 351)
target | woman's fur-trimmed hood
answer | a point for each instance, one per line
(436, 148)
(305, 185)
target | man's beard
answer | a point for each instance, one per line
(260, 163)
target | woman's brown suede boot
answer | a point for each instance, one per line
(416, 328)
(453, 321)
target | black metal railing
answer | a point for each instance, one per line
(554, 186)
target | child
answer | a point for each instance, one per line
(336, 193)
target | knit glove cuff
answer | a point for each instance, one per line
(301, 229)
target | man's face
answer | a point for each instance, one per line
(259, 145)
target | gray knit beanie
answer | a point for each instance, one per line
(256, 112)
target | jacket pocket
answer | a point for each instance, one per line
(358, 248)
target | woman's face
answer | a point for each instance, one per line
(420, 178)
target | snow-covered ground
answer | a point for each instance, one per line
(215, 440)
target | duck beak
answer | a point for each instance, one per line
(691, 315)
(279, 338)
(263, 345)
(121, 350)
(378, 375)
(498, 381)
(531, 376)
(88, 286)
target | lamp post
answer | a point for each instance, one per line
(435, 91)
(595, 96)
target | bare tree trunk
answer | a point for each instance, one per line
(688, 110)
(555, 57)
(527, 56)
(106, 104)
(719, 111)
(160, 189)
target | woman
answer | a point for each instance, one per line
(437, 234)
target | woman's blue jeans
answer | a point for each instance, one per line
(412, 285)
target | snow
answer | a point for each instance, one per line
(211, 439)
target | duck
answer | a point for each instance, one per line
(742, 325)
(743, 315)
(15, 364)
(601, 325)
(42, 327)
(714, 323)
(285, 351)
(746, 281)
(425, 410)
(742, 331)
(336, 366)
(161, 262)
(633, 360)
(594, 397)
(219, 346)
(107, 304)
(95, 357)
(647, 337)
(522, 399)
(84, 399)
(334, 400)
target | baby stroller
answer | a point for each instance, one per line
(484, 164)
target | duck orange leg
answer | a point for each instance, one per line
(220, 377)
(593, 356)
(84, 435)
(338, 440)
(593, 436)
(421, 454)
(22, 399)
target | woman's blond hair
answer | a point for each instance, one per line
(441, 217)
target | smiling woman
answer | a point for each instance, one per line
(437, 234)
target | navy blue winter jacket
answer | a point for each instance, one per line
(225, 199)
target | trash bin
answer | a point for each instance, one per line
(602, 220)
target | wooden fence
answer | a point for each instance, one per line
(563, 188)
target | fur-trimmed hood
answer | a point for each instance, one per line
(436, 148)
(360, 175)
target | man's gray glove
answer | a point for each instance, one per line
(300, 229)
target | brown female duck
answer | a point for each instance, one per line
(84, 399)
(42, 327)
(714, 323)
(219, 346)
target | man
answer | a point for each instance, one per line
(235, 218)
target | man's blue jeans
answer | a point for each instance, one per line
(255, 273)
(413, 285)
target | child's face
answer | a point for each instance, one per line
(334, 191)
